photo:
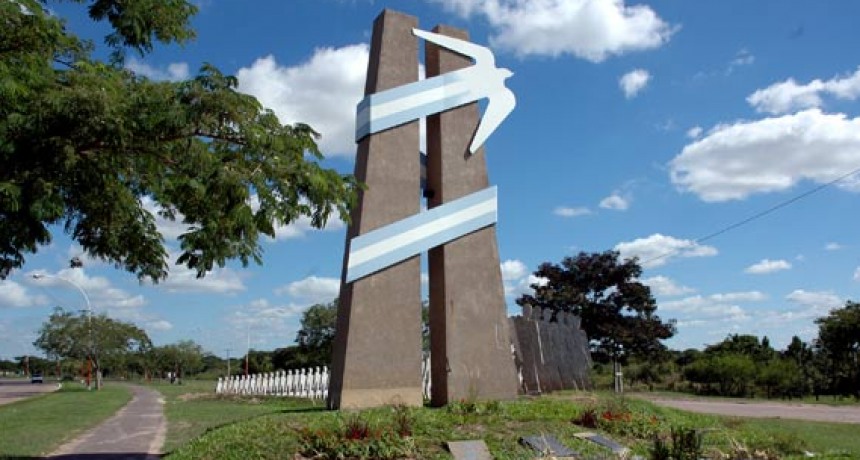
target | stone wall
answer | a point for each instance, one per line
(551, 355)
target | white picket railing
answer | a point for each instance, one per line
(311, 383)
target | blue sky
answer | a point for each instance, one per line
(639, 126)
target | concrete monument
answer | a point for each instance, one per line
(377, 349)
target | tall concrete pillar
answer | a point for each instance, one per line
(470, 346)
(377, 349)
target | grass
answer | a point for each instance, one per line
(277, 433)
(39, 425)
(191, 409)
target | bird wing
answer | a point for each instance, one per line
(501, 103)
(482, 56)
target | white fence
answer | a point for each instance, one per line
(311, 383)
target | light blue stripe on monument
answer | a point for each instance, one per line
(417, 220)
(410, 89)
(381, 124)
(388, 259)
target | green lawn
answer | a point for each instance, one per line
(192, 409)
(277, 434)
(39, 425)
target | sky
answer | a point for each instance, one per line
(702, 136)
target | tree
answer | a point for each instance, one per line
(108, 342)
(183, 358)
(839, 341)
(86, 144)
(617, 310)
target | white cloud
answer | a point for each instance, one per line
(815, 304)
(312, 289)
(788, 96)
(735, 161)
(513, 270)
(857, 274)
(592, 30)
(159, 325)
(321, 92)
(14, 295)
(615, 201)
(633, 82)
(747, 296)
(717, 307)
(657, 249)
(517, 288)
(269, 324)
(99, 290)
(664, 286)
(832, 246)
(216, 281)
(571, 212)
(176, 71)
(742, 58)
(694, 132)
(768, 266)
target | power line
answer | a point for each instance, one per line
(758, 215)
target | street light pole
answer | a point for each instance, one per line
(80, 288)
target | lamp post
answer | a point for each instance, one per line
(38, 276)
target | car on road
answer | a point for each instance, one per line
(36, 378)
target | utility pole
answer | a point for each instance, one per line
(228, 361)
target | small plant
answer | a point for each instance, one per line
(404, 420)
(356, 427)
(686, 444)
(355, 439)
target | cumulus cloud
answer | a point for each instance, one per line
(717, 307)
(633, 82)
(312, 289)
(768, 266)
(788, 96)
(616, 201)
(15, 295)
(814, 303)
(175, 71)
(667, 287)
(735, 161)
(832, 246)
(269, 324)
(694, 132)
(321, 92)
(159, 325)
(216, 281)
(99, 290)
(657, 249)
(513, 270)
(571, 212)
(592, 30)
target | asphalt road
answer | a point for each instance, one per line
(816, 412)
(17, 389)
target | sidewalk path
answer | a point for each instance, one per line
(816, 412)
(135, 432)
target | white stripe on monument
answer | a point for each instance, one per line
(437, 226)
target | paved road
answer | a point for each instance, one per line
(17, 389)
(135, 432)
(817, 412)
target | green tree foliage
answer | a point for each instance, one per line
(110, 343)
(184, 358)
(84, 142)
(617, 310)
(839, 342)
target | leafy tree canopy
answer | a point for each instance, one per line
(84, 142)
(617, 311)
